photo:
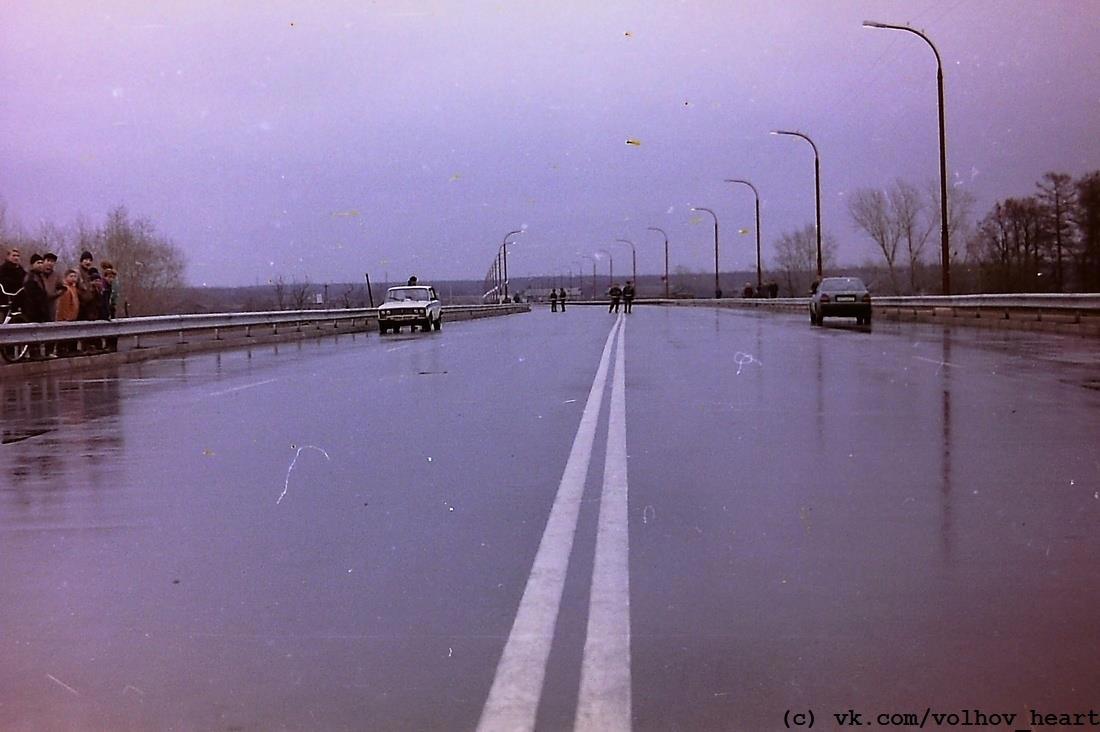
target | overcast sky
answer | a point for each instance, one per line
(325, 139)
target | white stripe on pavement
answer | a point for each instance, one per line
(604, 700)
(517, 687)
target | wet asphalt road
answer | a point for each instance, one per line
(338, 534)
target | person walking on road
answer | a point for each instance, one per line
(615, 293)
(553, 300)
(628, 296)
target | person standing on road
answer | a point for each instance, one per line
(561, 298)
(553, 300)
(628, 296)
(615, 293)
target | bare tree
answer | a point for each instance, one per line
(150, 266)
(960, 209)
(1087, 218)
(299, 294)
(915, 224)
(1010, 244)
(1058, 197)
(279, 283)
(873, 211)
(796, 258)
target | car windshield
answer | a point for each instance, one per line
(842, 284)
(402, 294)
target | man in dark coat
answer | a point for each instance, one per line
(12, 273)
(36, 302)
(89, 288)
(615, 292)
(628, 296)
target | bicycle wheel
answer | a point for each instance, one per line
(17, 352)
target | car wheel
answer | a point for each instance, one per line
(395, 328)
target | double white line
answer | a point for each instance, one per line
(604, 700)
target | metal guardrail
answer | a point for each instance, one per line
(39, 333)
(1087, 301)
(1074, 302)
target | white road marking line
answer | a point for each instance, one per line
(240, 388)
(517, 687)
(604, 700)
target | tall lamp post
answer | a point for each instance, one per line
(817, 188)
(504, 248)
(759, 272)
(633, 259)
(662, 231)
(610, 267)
(717, 288)
(945, 247)
(585, 256)
(580, 272)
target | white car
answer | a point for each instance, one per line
(412, 305)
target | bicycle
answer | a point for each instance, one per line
(13, 314)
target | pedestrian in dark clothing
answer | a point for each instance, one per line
(773, 289)
(12, 273)
(616, 293)
(89, 288)
(553, 300)
(36, 304)
(412, 281)
(747, 291)
(561, 299)
(105, 297)
(628, 296)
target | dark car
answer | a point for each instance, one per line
(843, 297)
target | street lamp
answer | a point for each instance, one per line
(817, 188)
(633, 259)
(717, 289)
(759, 274)
(654, 228)
(585, 256)
(610, 267)
(945, 249)
(504, 248)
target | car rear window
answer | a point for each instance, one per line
(842, 283)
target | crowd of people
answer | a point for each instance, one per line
(44, 294)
